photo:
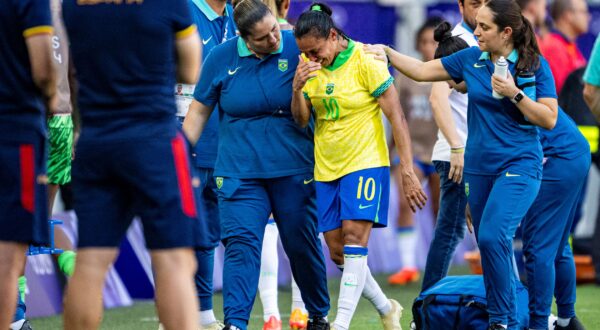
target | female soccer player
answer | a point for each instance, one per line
(348, 91)
(264, 161)
(503, 159)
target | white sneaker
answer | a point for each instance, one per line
(391, 320)
(551, 321)
(213, 326)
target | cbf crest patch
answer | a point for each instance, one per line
(467, 189)
(329, 88)
(219, 181)
(282, 65)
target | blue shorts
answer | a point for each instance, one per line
(23, 196)
(427, 168)
(148, 178)
(360, 195)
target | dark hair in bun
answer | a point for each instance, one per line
(447, 44)
(316, 21)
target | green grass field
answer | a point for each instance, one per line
(142, 315)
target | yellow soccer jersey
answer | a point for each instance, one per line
(349, 133)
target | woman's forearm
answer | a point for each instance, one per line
(442, 113)
(542, 113)
(300, 109)
(416, 69)
(194, 121)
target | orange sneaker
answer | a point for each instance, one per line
(404, 276)
(298, 320)
(272, 324)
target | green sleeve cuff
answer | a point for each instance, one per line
(305, 96)
(383, 87)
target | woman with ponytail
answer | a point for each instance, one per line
(503, 159)
(349, 90)
(546, 228)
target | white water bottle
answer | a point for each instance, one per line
(501, 70)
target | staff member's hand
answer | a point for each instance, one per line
(304, 71)
(457, 164)
(505, 87)
(413, 191)
(377, 50)
(469, 218)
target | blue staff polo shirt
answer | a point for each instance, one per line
(258, 137)
(214, 29)
(124, 53)
(500, 138)
(21, 103)
(564, 140)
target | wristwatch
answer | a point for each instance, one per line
(518, 97)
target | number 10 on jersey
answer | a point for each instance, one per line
(332, 109)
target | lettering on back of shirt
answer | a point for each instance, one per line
(55, 47)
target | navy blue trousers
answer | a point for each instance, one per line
(498, 205)
(546, 229)
(245, 205)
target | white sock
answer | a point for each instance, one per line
(407, 242)
(267, 282)
(207, 317)
(297, 301)
(375, 295)
(563, 322)
(352, 285)
(17, 324)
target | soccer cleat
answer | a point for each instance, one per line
(298, 320)
(391, 320)
(404, 276)
(272, 324)
(574, 324)
(230, 327)
(317, 323)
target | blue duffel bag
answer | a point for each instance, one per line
(459, 303)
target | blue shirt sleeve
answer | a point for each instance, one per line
(33, 14)
(182, 18)
(208, 88)
(544, 81)
(454, 63)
